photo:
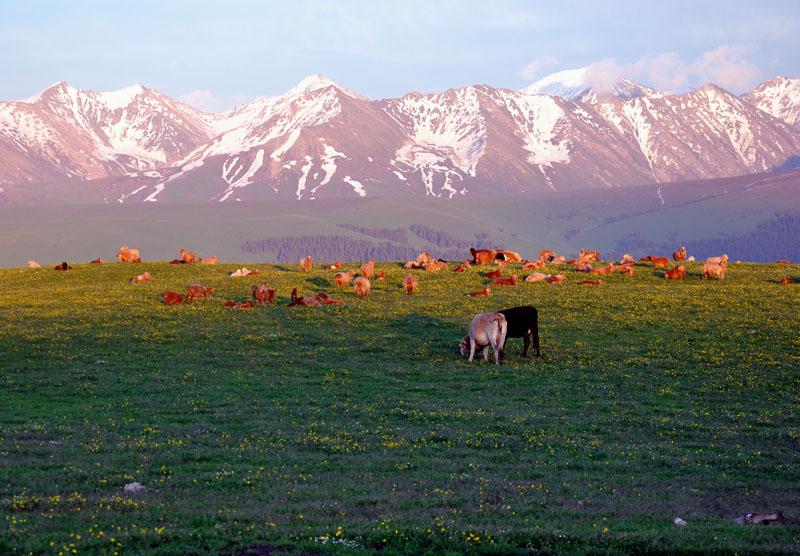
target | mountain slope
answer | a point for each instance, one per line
(69, 133)
(780, 97)
(320, 140)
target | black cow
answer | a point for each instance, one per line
(522, 323)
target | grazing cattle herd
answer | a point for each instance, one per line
(488, 330)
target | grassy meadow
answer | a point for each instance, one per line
(355, 428)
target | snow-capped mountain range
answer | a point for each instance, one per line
(321, 140)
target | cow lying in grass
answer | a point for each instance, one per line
(302, 301)
(141, 278)
(677, 273)
(485, 292)
(486, 330)
(172, 298)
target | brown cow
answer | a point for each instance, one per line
(172, 298)
(714, 270)
(626, 268)
(410, 283)
(537, 277)
(485, 292)
(197, 291)
(547, 255)
(209, 261)
(230, 304)
(343, 279)
(504, 281)
(680, 254)
(460, 268)
(141, 278)
(786, 281)
(482, 256)
(335, 266)
(508, 256)
(424, 258)
(533, 265)
(660, 262)
(362, 286)
(557, 279)
(368, 269)
(380, 275)
(63, 266)
(189, 257)
(589, 256)
(98, 260)
(783, 261)
(300, 301)
(494, 274)
(605, 271)
(128, 255)
(306, 263)
(591, 283)
(677, 273)
(325, 299)
(177, 261)
(262, 294)
(436, 265)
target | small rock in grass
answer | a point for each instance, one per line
(679, 522)
(134, 488)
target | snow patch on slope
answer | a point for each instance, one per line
(542, 125)
(356, 185)
(246, 178)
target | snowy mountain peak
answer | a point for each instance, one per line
(567, 84)
(780, 97)
(572, 84)
(316, 82)
(121, 97)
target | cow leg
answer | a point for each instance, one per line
(486, 353)
(536, 341)
(527, 342)
(471, 350)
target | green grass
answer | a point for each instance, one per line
(358, 427)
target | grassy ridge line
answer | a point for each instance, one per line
(277, 425)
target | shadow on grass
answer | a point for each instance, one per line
(319, 282)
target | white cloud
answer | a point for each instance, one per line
(202, 99)
(530, 70)
(601, 76)
(665, 72)
(726, 66)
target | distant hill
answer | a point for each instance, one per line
(750, 217)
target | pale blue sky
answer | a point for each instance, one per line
(222, 52)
